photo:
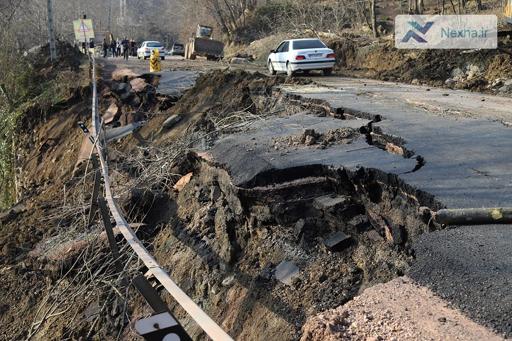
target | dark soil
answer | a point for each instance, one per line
(363, 57)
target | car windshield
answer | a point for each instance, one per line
(178, 45)
(154, 44)
(308, 44)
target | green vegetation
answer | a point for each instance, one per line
(25, 89)
(15, 81)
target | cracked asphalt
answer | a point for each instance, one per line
(465, 140)
(467, 145)
(468, 153)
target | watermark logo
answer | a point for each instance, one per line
(446, 32)
(418, 27)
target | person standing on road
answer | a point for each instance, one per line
(105, 48)
(126, 48)
(92, 46)
(113, 47)
(118, 51)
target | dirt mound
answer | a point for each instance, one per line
(231, 90)
(397, 310)
(363, 57)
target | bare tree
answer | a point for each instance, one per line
(231, 15)
(374, 18)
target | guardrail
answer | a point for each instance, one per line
(210, 327)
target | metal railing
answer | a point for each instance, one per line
(210, 327)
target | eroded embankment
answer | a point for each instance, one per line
(263, 256)
(259, 257)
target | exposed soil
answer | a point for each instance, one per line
(224, 245)
(397, 310)
(310, 138)
(362, 57)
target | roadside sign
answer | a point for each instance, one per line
(83, 29)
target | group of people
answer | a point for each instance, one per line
(118, 47)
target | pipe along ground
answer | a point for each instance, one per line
(474, 216)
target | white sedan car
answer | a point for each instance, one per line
(144, 51)
(301, 55)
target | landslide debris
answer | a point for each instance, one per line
(338, 232)
(334, 231)
(479, 70)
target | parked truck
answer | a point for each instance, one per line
(203, 45)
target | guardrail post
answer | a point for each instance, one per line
(95, 190)
(162, 325)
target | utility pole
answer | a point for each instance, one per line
(51, 32)
(109, 27)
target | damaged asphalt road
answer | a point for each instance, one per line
(467, 162)
(398, 148)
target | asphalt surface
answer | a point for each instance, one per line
(470, 267)
(468, 153)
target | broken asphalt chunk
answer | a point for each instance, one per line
(394, 234)
(337, 241)
(138, 84)
(298, 229)
(286, 272)
(328, 202)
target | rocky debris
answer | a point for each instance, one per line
(323, 140)
(111, 114)
(244, 55)
(228, 281)
(123, 75)
(286, 272)
(182, 182)
(462, 77)
(237, 60)
(397, 310)
(502, 86)
(139, 85)
(336, 241)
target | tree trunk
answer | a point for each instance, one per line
(374, 19)
(420, 7)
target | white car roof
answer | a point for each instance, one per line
(304, 39)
